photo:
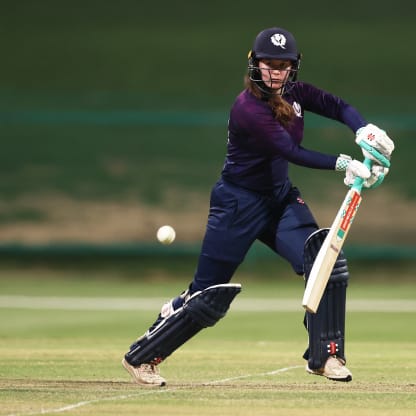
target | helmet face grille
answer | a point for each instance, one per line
(254, 74)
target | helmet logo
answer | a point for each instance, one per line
(279, 40)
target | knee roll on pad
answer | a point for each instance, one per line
(201, 310)
(326, 328)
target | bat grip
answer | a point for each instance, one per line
(381, 158)
(358, 183)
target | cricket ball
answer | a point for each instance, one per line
(166, 234)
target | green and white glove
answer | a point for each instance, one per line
(355, 168)
(375, 144)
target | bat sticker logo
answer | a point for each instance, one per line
(348, 214)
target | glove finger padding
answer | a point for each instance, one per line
(378, 173)
(356, 169)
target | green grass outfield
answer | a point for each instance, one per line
(63, 333)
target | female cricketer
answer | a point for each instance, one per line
(254, 199)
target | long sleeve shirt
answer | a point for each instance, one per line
(259, 147)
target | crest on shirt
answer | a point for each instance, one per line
(279, 40)
(300, 200)
(298, 109)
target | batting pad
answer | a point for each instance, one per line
(201, 310)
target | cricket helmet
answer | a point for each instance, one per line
(274, 43)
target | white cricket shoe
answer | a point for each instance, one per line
(145, 374)
(334, 369)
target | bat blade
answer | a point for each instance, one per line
(330, 249)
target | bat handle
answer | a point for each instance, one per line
(381, 158)
(358, 183)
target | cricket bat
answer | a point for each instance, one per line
(332, 245)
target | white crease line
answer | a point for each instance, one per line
(153, 304)
(269, 373)
(153, 391)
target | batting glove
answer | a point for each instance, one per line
(353, 168)
(375, 144)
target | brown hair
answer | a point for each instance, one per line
(282, 110)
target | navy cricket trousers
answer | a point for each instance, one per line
(238, 217)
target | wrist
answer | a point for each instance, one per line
(342, 162)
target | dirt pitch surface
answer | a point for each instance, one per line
(107, 396)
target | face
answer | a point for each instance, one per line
(274, 72)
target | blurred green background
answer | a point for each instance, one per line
(113, 114)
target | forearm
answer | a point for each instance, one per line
(352, 118)
(311, 158)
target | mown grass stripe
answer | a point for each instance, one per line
(149, 304)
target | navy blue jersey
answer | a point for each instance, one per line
(259, 148)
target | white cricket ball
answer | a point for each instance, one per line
(166, 234)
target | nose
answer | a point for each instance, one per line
(275, 71)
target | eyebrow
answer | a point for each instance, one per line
(280, 65)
